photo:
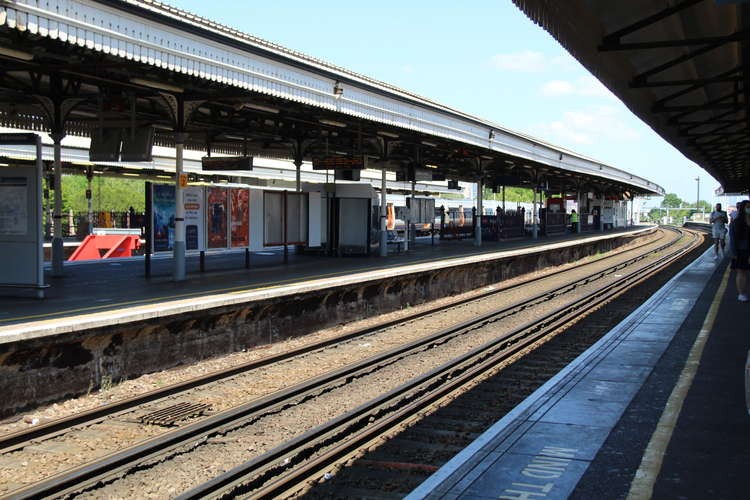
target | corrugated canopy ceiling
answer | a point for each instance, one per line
(679, 65)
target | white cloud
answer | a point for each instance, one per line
(527, 61)
(587, 127)
(585, 86)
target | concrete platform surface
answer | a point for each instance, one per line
(105, 292)
(616, 413)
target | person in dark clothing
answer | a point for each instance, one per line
(740, 246)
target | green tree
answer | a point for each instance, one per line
(671, 200)
(512, 194)
(108, 194)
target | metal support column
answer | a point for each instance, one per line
(179, 220)
(383, 216)
(90, 216)
(533, 217)
(412, 229)
(57, 240)
(478, 221)
(580, 211)
(298, 164)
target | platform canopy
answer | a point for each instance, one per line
(83, 66)
(677, 64)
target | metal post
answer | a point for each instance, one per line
(478, 221)
(284, 215)
(178, 251)
(247, 258)
(57, 241)
(383, 216)
(698, 194)
(298, 164)
(90, 216)
(202, 261)
(580, 212)
(503, 199)
(412, 229)
(534, 229)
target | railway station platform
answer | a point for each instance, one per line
(655, 409)
(105, 321)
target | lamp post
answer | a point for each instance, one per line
(698, 195)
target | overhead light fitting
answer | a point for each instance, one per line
(16, 54)
(130, 175)
(85, 114)
(333, 123)
(260, 107)
(388, 134)
(157, 85)
(431, 144)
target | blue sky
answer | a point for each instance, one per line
(486, 59)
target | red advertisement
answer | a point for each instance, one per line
(240, 217)
(216, 215)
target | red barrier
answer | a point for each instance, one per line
(112, 245)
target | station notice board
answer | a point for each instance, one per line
(21, 244)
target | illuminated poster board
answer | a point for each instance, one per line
(216, 217)
(164, 216)
(240, 203)
(195, 238)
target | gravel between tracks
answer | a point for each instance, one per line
(201, 462)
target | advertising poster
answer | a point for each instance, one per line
(240, 217)
(194, 219)
(164, 215)
(13, 206)
(216, 217)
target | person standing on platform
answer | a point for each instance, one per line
(573, 221)
(740, 246)
(718, 221)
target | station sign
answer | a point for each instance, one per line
(227, 163)
(419, 174)
(18, 138)
(356, 162)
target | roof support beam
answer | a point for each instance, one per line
(715, 120)
(713, 104)
(696, 86)
(686, 42)
(715, 131)
(641, 78)
(678, 83)
(614, 37)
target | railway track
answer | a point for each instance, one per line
(409, 399)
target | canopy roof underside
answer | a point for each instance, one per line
(679, 65)
(81, 66)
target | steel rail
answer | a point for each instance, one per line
(449, 378)
(16, 440)
(76, 479)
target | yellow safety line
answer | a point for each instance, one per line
(241, 289)
(642, 487)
